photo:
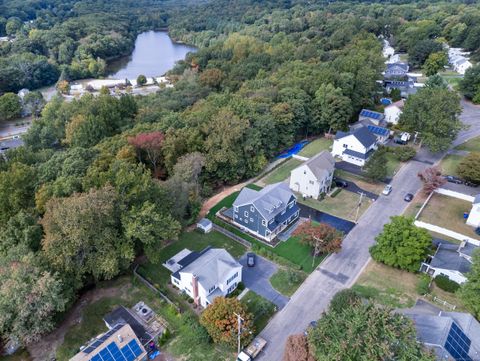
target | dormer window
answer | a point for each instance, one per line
(245, 214)
(252, 209)
(235, 208)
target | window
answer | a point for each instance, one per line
(252, 209)
(236, 215)
(245, 214)
(291, 205)
(235, 208)
(264, 223)
(211, 289)
(345, 146)
(312, 182)
(251, 220)
(304, 172)
(232, 278)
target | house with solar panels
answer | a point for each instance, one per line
(451, 335)
(368, 117)
(355, 146)
(205, 275)
(118, 344)
(265, 213)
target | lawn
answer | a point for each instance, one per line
(447, 212)
(415, 205)
(393, 164)
(316, 147)
(450, 163)
(299, 254)
(343, 205)
(282, 172)
(473, 145)
(362, 182)
(261, 309)
(287, 281)
(396, 288)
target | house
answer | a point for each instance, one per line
(387, 50)
(406, 86)
(313, 177)
(267, 212)
(381, 133)
(451, 260)
(450, 335)
(205, 275)
(474, 215)
(395, 70)
(393, 111)
(355, 146)
(370, 117)
(205, 225)
(461, 65)
(119, 343)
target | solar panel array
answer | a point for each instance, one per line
(129, 352)
(370, 114)
(378, 130)
(458, 344)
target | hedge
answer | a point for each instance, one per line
(446, 284)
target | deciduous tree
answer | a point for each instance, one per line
(141, 80)
(402, 244)
(296, 349)
(376, 166)
(151, 145)
(435, 63)
(432, 179)
(469, 292)
(469, 168)
(322, 237)
(331, 110)
(10, 106)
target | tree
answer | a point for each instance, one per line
(402, 244)
(435, 62)
(22, 230)
(30, 297)
(344, 299)
(331, 109)
(322, 237)
(63, 86)
(10, 106)
(421, 50)
(33, 103)
(432, 179)
(141, 80)
(376, 166)
(404, 153)
(470, 84)
(13, 25)
(151, 144)
(433, 112)
(469, 168)
(212, 78)
(469, 292)
(436, 81)
(296, 349)
(82, 235)
(221, 321)
(365, 332)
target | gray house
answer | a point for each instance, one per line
(396, 70)
(267, 212)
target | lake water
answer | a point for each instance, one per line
(154, 54)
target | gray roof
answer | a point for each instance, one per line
(358, 154)
(447, 257)
(397, 66)
(364, 136)
(211, 267)
(269, 201)
(321, 165)
(468, 248)
(204, 222)
(122, 315)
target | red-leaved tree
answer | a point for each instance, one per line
(432, 179)
(321, 237)
(151, 145)
(296, 349)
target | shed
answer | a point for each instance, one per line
(205, 225)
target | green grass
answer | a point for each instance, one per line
(343, 205)
(316, 147)
(393, 165)
(450, 163)
(261, 309)
(298, 253)
(282, 172)
(228, 200)
(473, 145)
(287, 281)
(21, 355)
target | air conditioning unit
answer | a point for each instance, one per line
(143, 311)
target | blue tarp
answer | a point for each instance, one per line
(293, 150)
(385, 101)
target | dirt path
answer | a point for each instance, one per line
(209, 203)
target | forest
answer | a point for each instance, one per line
(102, 180)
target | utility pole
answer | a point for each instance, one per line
(239, 322)
(315, 252)
(359, 205)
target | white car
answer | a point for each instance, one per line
(387, 190)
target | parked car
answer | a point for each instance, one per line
(387, 190)
(477, 231)
(452, 179)
(403, 138)
(340, 183)
(470, 184)
(408, 197)
(251, 259)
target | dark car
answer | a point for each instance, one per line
(477, 231)
(471, 184)
(251, 258)
(341, 183)
(452, 179)
(408, 197)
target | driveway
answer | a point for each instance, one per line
(257, 279)
(355, 169)
(352, 187)
(321, 217)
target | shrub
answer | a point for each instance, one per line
(335, 192)
(344, 299)
(241, 286)
(164, 337)
(423, 285)
(141, 80)
(446, 284)
(404, 153)
(293, 277)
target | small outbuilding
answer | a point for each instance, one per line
(205, 225)
(474, 216)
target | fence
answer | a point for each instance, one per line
(447, 232)
(232, 235)
(444, 303)
(299, 157)
(454, 194)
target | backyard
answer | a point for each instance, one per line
(396, 288)
(281, 173)
(316, 147)
(447, 212)
(343, 205)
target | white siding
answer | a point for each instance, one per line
(302, 180)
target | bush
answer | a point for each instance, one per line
(404, 153)
(194, 330)
(335, 192)
(423, 285)
(164, 337)
(141, 80)
(241, 286)
(446, 284)
(344, 299)
(293, 277)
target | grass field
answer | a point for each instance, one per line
(282, 172)
(396, 288)
(473, 145)
(261, 309)
(343, 205)
(374, 187)
(298, 253)
(393, 165)
(316, 147)
(450, 163)
(287, 281)
(447, 212)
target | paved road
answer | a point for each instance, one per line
(352, 187)
(471, 117)
(257, 279)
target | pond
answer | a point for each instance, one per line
(155, 53)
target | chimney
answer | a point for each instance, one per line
(120, 338)
(195, 289)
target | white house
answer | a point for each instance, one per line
(205, 225)
(450, 260)
(355, 147)
(474, 216)
(393, 111)
(205, 275)
(461, 65)
(313, 177)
